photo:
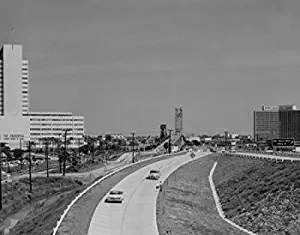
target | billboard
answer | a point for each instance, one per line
(284, 142)
(270, 108)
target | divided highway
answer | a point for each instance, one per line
(137, 213)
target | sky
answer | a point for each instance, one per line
(126, 64)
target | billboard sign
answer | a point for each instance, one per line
(284, 142)
(270, 108)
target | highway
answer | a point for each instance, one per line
(137, 214)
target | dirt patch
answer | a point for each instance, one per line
(259, 195)
(16, 194)
(43, 217)
(186, 204)
(78, 218)
(84, 167)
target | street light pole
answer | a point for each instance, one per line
(132, 147)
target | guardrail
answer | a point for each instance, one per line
(286, 154)
(55, 229)
(264, 155)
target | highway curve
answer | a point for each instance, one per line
(137, 214)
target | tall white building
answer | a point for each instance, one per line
(17, 123)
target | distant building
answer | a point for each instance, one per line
(195, 138)
(178, 121)
(281, 122)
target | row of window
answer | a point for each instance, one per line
(52, 134)
(55, 120)
(52, 115)
(54, 124)
(55, 129)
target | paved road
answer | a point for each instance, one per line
(137, 214)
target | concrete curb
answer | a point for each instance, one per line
(218, 204)
(55, 229)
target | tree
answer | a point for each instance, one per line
(18, 155)
(196, 142)
(108, 137)
(166, 146)
(58, 143)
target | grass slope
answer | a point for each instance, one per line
(186, 204)
(16, 194)
(261, 196)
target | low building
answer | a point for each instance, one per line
(53, 125)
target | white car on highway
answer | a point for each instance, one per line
(154, 175)
(115, 196)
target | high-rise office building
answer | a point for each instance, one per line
(14, 81)
(281, 121)
(266, 125)
(14, 127)
(17, 123)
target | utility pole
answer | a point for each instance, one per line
(59, 155)
(132, 147)
(1, 146)
(170, 147)
(46, 155)
(7, 164)
(93, 149)
(65, 157)
(29, 158)
(78, 148)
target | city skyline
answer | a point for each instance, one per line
(126, 66)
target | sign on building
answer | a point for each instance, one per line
(284, 142)
(270, 108)
(11, 137)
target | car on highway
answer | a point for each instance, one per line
(154, 175)
(115, 196)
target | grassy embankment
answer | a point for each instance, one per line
(186, 204)
(16, 196)
(261, 196)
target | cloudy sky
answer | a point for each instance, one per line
(126, 64)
